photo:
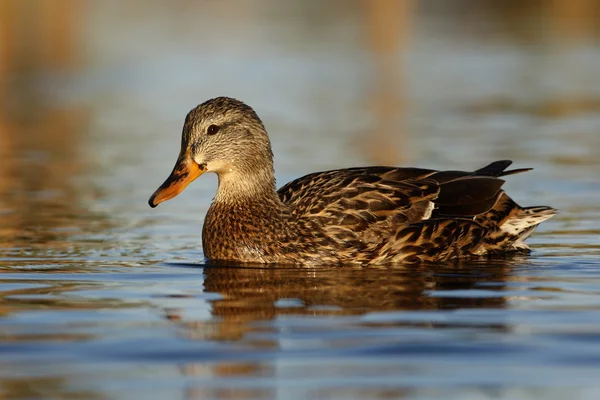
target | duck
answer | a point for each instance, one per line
(374, 215)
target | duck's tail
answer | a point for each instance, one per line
(510, 224)
(520, 226)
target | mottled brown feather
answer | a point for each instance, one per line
(363, 215)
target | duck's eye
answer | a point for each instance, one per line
(213, 129)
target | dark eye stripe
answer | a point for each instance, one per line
(212, 129)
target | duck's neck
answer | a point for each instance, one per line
(245, 218)
(236, 186)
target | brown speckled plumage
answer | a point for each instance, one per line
(366, 215)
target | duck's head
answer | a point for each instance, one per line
(225, 136)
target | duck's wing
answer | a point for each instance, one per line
(358, 198)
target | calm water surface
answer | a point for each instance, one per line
(102, 297)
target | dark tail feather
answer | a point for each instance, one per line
(465, 210)
(494, 169)
(515, 171)
(497, 169)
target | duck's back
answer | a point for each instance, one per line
(411, 214)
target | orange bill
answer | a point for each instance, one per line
(184, 172)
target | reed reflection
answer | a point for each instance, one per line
(44, 387)
(40, 139)
(387, 28)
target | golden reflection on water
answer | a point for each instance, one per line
(41, 140)
(40, 387)
(38, 142)
(52, 296)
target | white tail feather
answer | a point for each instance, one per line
(523, 224)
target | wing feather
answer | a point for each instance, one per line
(371, 202)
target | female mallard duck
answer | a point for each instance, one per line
(366, 215)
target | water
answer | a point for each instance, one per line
(103, 297)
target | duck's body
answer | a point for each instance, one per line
(370, 215)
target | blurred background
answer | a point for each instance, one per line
(93, 95)
(89, 88)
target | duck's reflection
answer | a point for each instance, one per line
(251, 299)
(261, 294)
